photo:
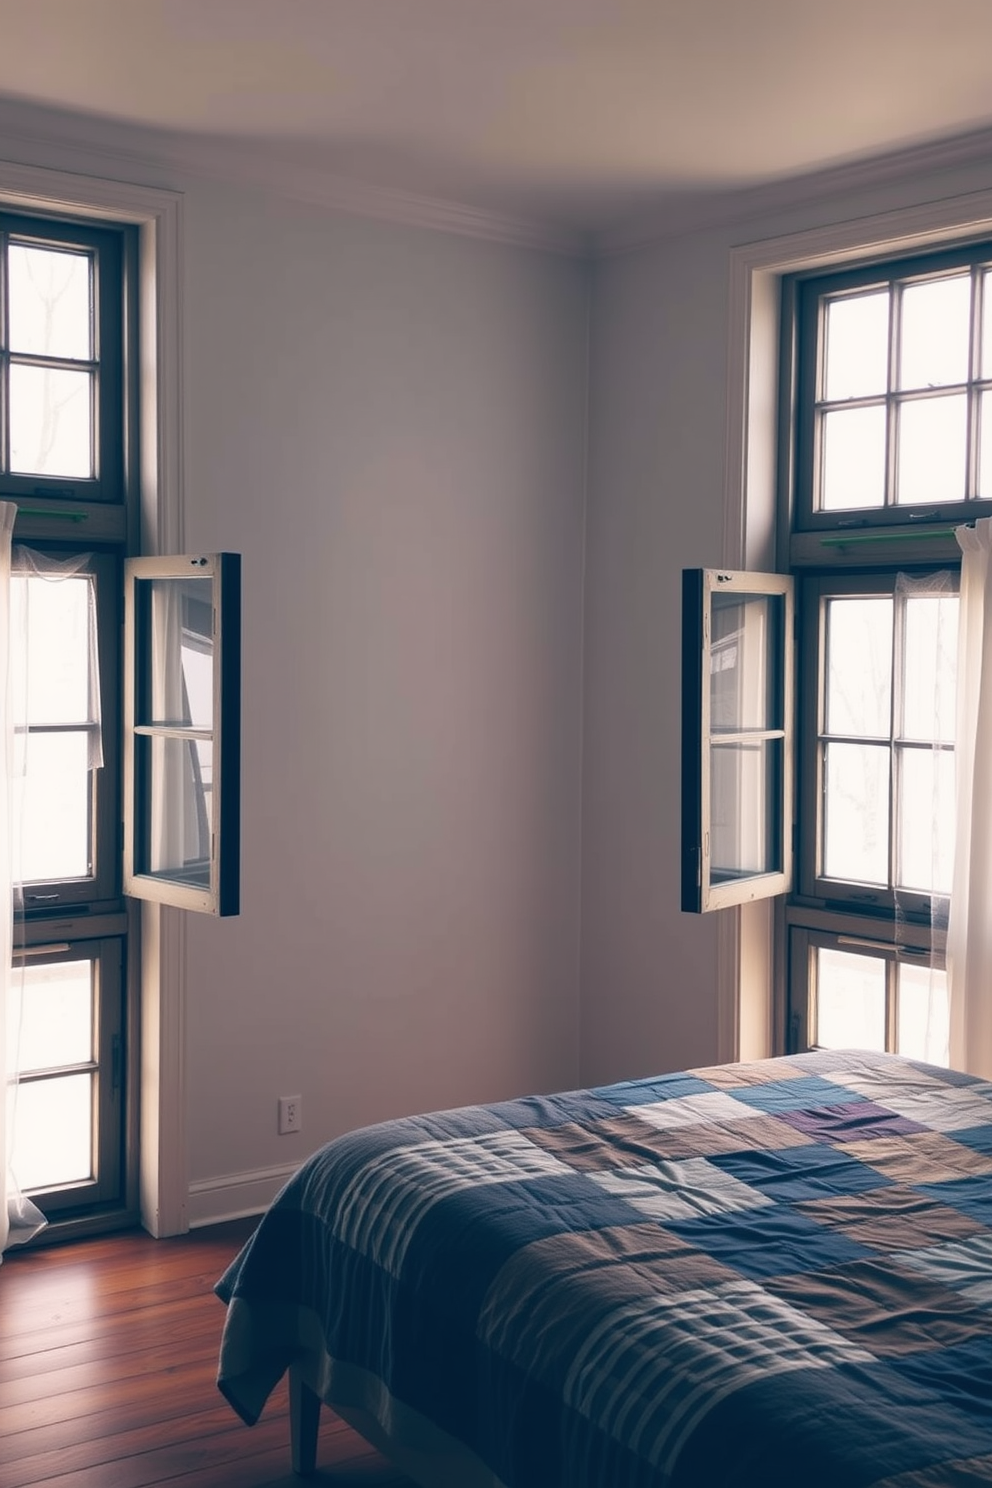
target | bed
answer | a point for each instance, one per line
(775, 1273)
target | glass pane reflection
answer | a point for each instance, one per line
(56, 1023)
(744, 640)
(857, 346)
(50, 302)
(856, 813)
(859, 666)
(180, 777)
(932, 450)
(850, 1000)
(178, 640)
(745, 831)
(51, 422)
(853, 471)
(54, 1143)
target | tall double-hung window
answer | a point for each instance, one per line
(838, 795)
(123, 709)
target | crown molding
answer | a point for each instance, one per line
(96, 146)
(697, 211)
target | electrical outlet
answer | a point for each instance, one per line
(290, 1114)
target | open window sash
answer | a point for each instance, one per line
(737, 737)
(182, 664)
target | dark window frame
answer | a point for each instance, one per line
(114, 293)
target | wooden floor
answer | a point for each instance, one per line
(108, 1361)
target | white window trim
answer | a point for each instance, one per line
(749, 983)
(163, 1157)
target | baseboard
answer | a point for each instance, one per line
(235, 1195)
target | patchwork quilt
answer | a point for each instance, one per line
(776, 1273)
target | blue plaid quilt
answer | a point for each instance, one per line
(776, 1273)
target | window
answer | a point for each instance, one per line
(69, 459)
(886, 445)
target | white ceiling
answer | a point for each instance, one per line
(579, 112)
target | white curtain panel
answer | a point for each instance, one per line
(969, 934)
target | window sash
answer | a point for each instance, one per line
(112, 418)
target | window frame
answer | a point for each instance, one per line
(701, 892)
(811, 885)
(804, 294)
(221, 894)
(846, 549)
(106, 1191)
(101, 890)
(112, 424)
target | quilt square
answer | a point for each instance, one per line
(850, 1121)
(711, 1106)
(978, 1138)
(892, 1218)
(680, 1190)
(789, 1175)
(382, 1205)
(686, 1353)
(655, 1088)
(943, 1108)
(805, 1093)
(972, 1196)
(920, 1157)
(886, 1309)
(749, 1072)
(771, 1241)
(584, 1276)
(964, 1265)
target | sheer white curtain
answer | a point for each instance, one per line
(19, 1218)
(927, 614)
(969, 934)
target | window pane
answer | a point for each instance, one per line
(853, 473)
(56, 1022)
(932, 450)
(54, 617)
(54, 1132)
(178, 638)
(50, 422)
(926, 820)
(744, 632)
(52, 807)
(923, 1014)
(987, 323)
(850, 1000)
(859, 666)
(178, 834)
(935, 332)
(856, 813)
(50, 300)
(745, 834)
(857, 346)
(930, 667)
(984, 487)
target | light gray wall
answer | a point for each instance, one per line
(388, 424)
(657, 466)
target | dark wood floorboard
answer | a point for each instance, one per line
(108, 1365)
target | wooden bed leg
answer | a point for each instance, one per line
(304, 1419)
